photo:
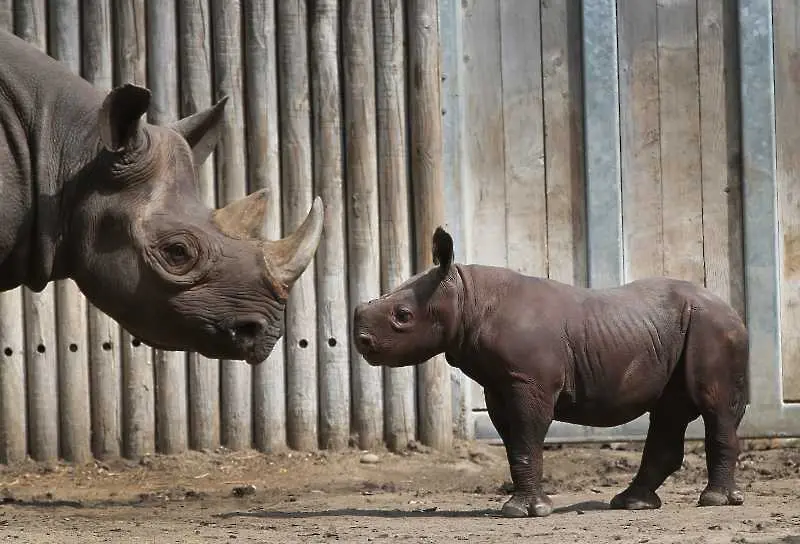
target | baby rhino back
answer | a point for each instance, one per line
(625, 344)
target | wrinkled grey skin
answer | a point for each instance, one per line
(92, 192)
(545, 351)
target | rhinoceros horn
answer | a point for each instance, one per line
(287, 258)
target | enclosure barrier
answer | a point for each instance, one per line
(592, 141)
(319, 104)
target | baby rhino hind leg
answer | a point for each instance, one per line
(663, 453)
(717, 355)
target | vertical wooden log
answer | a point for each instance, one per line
(263, 167)
(40, 325)
(13, 423)
(563, 118)
(363, 248)
(393, 192)
(435, 412)
(162, 71)
(295, 140)
(71, 305)
(235, 379)
(104, 333)
(195, 87)
(332, 316)
(13, 420)
(138, 395)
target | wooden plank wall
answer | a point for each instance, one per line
(786, 21)
(523, 142)
(320, 104)
(522, 139)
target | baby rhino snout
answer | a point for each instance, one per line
(364, 340)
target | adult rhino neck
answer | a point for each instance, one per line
(49, 116)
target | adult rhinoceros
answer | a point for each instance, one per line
(92, 192)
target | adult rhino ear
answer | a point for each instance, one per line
(442, 249)
(120, 115)
(202, 130)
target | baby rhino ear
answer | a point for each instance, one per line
(442, 249)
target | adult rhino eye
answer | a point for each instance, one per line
(177, 256)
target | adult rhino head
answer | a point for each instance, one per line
(94, 193)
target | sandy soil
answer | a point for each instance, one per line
(416, 496)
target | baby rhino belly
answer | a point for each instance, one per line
(613, 390)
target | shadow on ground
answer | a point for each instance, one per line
(421, 513)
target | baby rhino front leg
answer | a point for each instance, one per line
(521, 418)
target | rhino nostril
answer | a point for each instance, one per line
(366, 340)
(248, 330)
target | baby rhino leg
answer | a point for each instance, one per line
(522, 419)
(663, 454)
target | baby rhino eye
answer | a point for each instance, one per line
(403, 315)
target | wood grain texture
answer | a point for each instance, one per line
(563, 119)
(641, 139)
(71, 306)
(41, 365)
(235, 376)
(434, 390)
(7, 15)
(393, 194)
(104, 333)
(363, 241)
(194, 50)
(13, 416)
(331, 266)
(482, 143)
(263, 163)
(296, 156)
(719, 147)
(523, 132)
(786, 18)
(163, 78)
(679, 100)
(138, 389)
(13, 420)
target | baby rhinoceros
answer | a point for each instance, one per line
(544, 351)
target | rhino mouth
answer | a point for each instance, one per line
(239, 343)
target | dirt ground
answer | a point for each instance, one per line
(414, 496)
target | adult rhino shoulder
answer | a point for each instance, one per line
(93, 192)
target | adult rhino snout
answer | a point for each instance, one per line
(251, 337)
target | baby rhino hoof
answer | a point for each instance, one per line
(720, 497)
(522, 507)
(636, 498)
